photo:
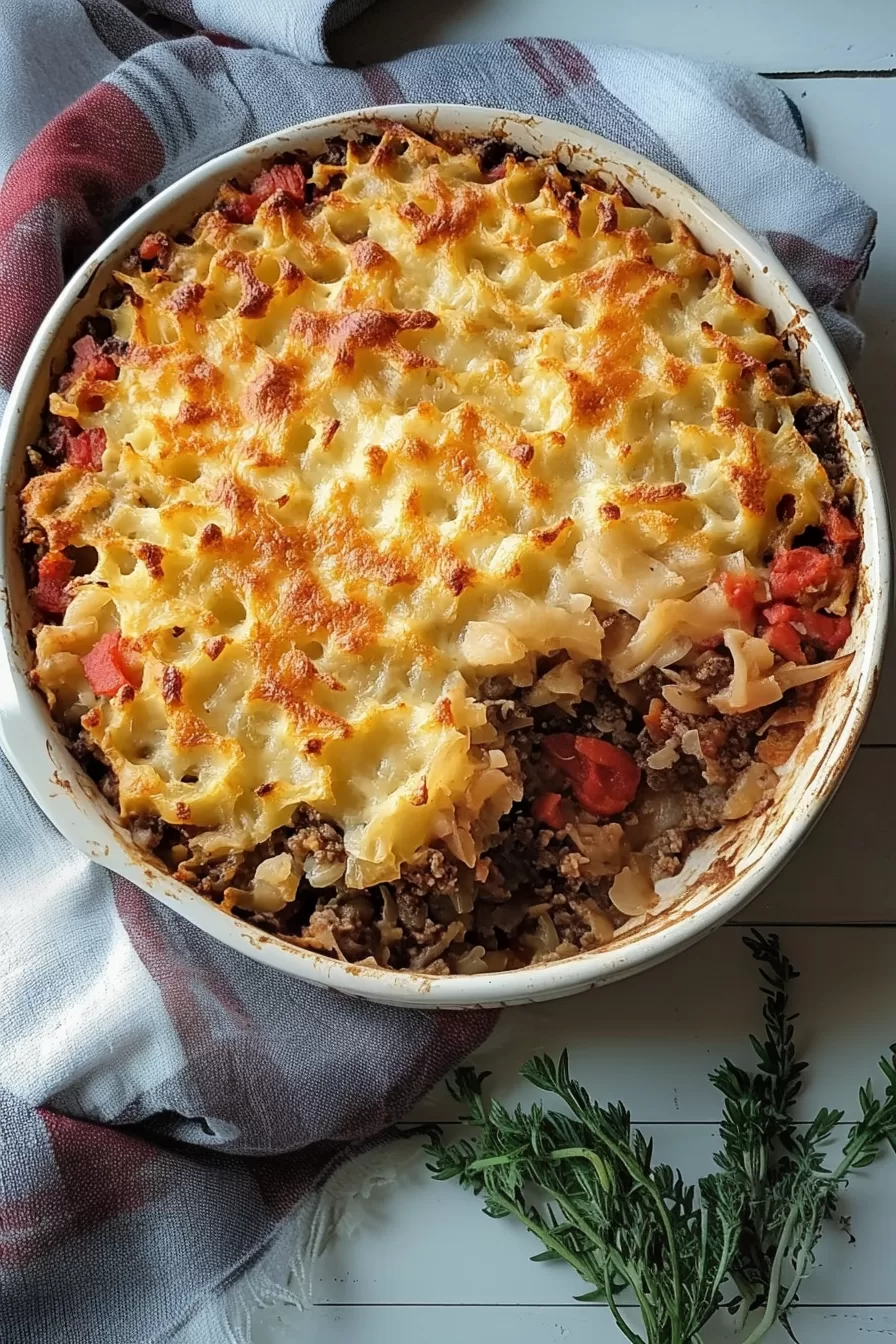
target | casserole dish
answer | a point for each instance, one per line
(719, 876)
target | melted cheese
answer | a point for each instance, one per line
(363, 454)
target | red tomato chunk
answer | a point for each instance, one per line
(106, 665)
(90, 359)
(286, 177)
(550, 810)
(604, 778)
(801, 572)
(86, 450)
(842, 531)
(785, 640)
(240, 209)
(777, 613)
(740, 591)
(829, 633)
(53, 573)
(155, 247)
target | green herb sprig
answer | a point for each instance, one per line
(585, 1183)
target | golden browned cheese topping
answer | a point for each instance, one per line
(363, 454)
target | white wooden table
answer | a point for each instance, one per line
(421, 1261)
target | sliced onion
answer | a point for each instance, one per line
(523, 674)
(657, 812)
(453, 931)
(460, 843)
(662, 759)
(686, 702)
(564, 679)
(690, 744)
(274, 884)
(681, 678)
(791, 675)
(672, 651)
(462, 898)
(546, 934)
(750, 787)
(472, 962)
(367, 873)
(632, 891)
(510, 915)
(605, 847)
(321, 937)
(322, 872)
(759, 694)
(619, 631)
(779, 746)
(390, 909)
(598, 920)
(787, 714)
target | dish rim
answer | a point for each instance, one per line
(29, 738)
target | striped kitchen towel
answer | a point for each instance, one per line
(164, 1103)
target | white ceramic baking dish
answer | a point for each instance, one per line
(721, 876)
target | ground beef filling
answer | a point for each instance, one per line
(540, 892)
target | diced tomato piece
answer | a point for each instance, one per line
(605, 779)
(131, 660)
(830, 633)
(740, 591)
(155, 247)
(239, 209)
(286, 177)
(53, 573)
(778, 613)
(498, 172)
(106, 666)
(803, 570)
(653, 720)
(90, 359)
(550, 810)
(842, 531)
(86, 450)
(785, 641)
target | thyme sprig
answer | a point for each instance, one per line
(584, 1182)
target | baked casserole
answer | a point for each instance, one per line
(429, 547)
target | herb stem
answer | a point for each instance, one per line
(544, 1235)
(590, 1156)
(616, 1314)
(772, 1312)
(608, 1254)
(557, 1155)
(637, 1174)
(723, 1265)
